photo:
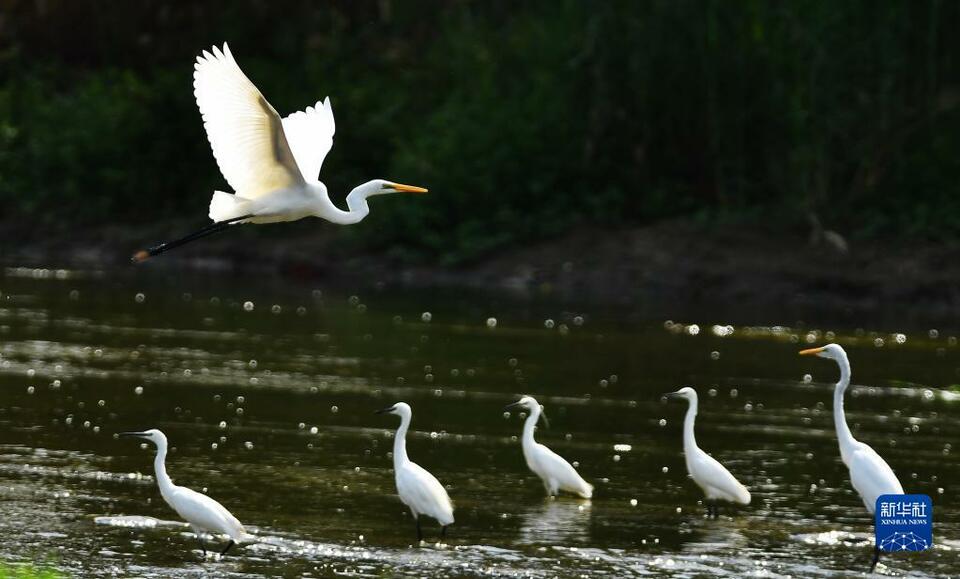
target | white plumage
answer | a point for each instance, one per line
(870, 475)
(200, 511)
(556, 473)
(272, 164)
(418, 489)
(712, 477)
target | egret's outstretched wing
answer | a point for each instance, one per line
(310, 134)
(245, 132)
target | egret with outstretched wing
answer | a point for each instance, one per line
(272, 164)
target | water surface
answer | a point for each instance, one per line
(266, 390)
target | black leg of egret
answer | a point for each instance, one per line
(145, 254)
(202, 546)
(227, 548)
(419, 532)
(443, 532)
(876, 558)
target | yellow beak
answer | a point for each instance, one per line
(810, 351)
(408, 188)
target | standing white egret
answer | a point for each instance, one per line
(202, 512)
(556, 473)
(870, 475)
(418, 489)
(271, 163)
(711, 476)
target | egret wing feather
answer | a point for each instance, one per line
(205, 513)
(310, 135)
(550, 465)
(871, 476)
(716, 481)
(423, 493)
(245, 132)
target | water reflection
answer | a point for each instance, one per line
(556, 522)
(712, 535)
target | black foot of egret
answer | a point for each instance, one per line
(876, 558)
(145, 254)
(227, 548)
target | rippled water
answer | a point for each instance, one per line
(266, 389)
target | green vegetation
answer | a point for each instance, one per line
(8, 571)
(522, 118)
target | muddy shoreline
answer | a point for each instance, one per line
(675, 262)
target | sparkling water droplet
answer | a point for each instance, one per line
(248, 306)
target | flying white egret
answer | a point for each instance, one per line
(556, 473)
(271, 163)
(202, 512)
(870, 475)
(711, 476)
(418, 489)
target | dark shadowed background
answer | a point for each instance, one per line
(524, 120)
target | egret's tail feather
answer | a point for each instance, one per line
(224, 206)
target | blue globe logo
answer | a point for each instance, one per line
(903, 541)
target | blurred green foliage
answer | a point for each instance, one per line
(8, 571)
(523, 119)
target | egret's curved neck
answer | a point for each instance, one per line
(160, 469)
(529, 426)
(400, 442)
(844, 436)
(357, 207)
(689, 439)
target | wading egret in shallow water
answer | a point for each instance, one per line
(418, 489)
(556, 473)
(870, 475)
(711, 476)
(202, 512)
(272, 164)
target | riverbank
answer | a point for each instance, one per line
(678, 261)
